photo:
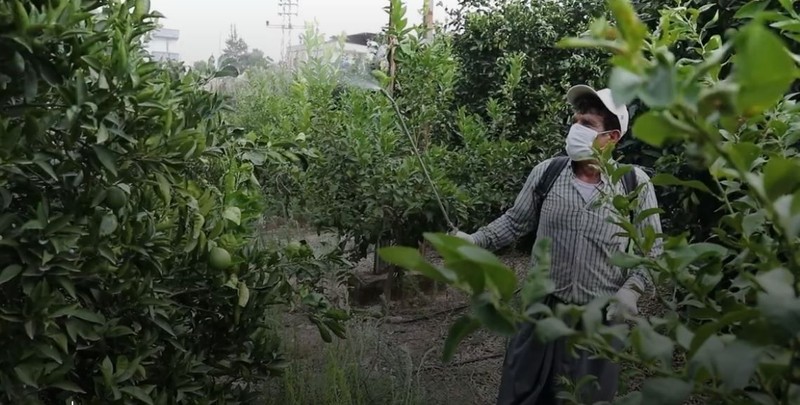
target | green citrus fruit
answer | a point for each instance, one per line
(219, 258)
(116, 198)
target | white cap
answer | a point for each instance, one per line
(621, 111)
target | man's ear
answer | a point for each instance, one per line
(615, 136)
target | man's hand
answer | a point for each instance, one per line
(623, 304)
(467, 237)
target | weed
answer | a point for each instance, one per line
(361, 370)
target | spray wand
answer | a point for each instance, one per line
(419, 157)
(367, 84)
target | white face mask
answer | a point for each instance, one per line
(580, 140)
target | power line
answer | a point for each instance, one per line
(286, 10)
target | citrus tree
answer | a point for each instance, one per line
(485, 32)
(729, 333)
(129, 269)
(363, 180)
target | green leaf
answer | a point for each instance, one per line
(137, 393)
(336, 328)
(491, 318)
(665, 179)
(753, 222)
(227, 71)
(652, 345)
(18, 61)
(500, 278)
(686, 255)
(106, 158)
(31, 84)
(68, 386)
(61, 340)
(26, 373)
(125, 369)
(244, 294)
(780, 177)
(737, 364)
(118, 331)
(781, 311)
(751, 9)
(446, 245)
(164, 325)
(164, 188)
(538, 284)
(50, 352)
(654, 129)
(778, 282)
(703, 358)
(658, 90)
(67, 285)
(787, 25)
(233, 214)
(86, 315)
(550, 329)
(744, 154)
(471, 279)
(626, 260)
(141, 8)
(683, 336)
(625, 85)
(644, 214)
(102, 134)
(665, 391)
(535, 289)
(9, 273)
(30, 329)
(787, 5)
(324, 332)
(462, 328)
(410, 259)
(763, 67)
(47, 168)
(108, 224)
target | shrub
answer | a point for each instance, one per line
(484, 34)
(129, 266)
(364, 181)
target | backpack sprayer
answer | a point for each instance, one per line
(365, 84)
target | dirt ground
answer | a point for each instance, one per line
(418, 329)
(410, 336)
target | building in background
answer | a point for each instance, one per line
(163, 44)
(350, 52)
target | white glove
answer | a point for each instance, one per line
(467, 237)
(623, 304)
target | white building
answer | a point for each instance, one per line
(349, 51)
(162, 44)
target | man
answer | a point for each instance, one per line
(574, 216)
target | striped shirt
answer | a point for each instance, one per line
(583, 238)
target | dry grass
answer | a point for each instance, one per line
(364, 369)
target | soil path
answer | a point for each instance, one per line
(408, 339)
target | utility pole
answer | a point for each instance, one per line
(427, 20)
(286, 9)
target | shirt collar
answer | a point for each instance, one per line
(604, 178)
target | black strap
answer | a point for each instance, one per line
(549, 177)
(630, 181)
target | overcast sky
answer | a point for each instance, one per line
(204, 24)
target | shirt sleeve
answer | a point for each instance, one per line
(518, 220)
(640, 279)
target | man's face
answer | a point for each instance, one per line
(594, 121)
